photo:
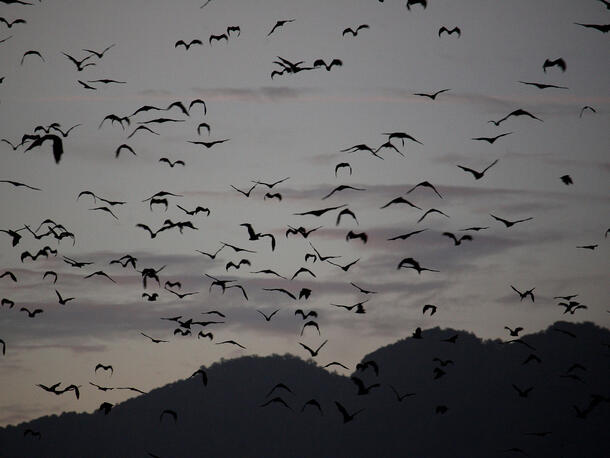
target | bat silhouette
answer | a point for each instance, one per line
(278, 400)
(100, 273)
(406, 236)
(189, 44)
(100, 54)
(315, 352)
(104, 367)
(31, 314)
(531, 357)
(172, 164)
(276, 195)
(345, 211)
(362, 290)
(342, 188)
(105, 407)
(31, 53)
(410, 3)
(279, 23)
(523, 295)
(208, 145)
(554, 63)
(425, 184)
(400, 397)
(9, 274)
(231, 342)
(124, 260)
(355, 31)
(268, 317)
(491, 140)
(233, 28)
(400, 200)
(411, 263)
(342, 165)
(518, 112)
(345, 267)
(182, 295)
(257, 235)
(431, 96)
(238, 265)
(362, 388)
(438, 373)
(523, 393)
(203, 124)
(320, 63)
(304, 315)
(282, 290)
(312, 402)
(457, 241)
(204, 376)
(169, 412)
(8, 142)
(347, 417)
(542, 85)
(603, 28)
(14, 234)
(432, 210)
(62, 300)
(402, 136)
(86, 86)
(222, 36)
(508, 223)
(50, 272)
(514, 332)
(277, 387)
(361, 147)
(161, 121)
(366, 364)
(107, 210)
(8, 302)
(12, 23)
(142, 129)
(116, 118)
(444, 363)
(198, 102)
(18, 185)
(320, 212)
(29, 430)
(153, 339)
(67, 132)
(301, 230)
(78, 63)
(587, 107)
(58, 146)
(107, 81)
(358, 307)
(450, 31)
(430, 307)
(351, 235)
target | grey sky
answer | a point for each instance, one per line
(295, 126)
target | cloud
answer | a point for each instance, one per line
(264, 94)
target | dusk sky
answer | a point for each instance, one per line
(294, 126)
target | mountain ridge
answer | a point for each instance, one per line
(486, 415)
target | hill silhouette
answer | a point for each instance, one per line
(565, 414)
